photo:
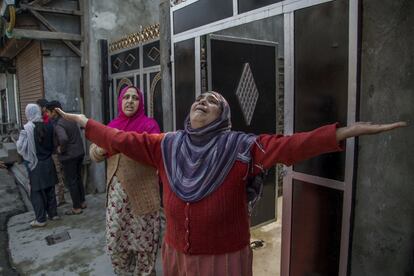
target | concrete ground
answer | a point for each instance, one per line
(10, 204)
(84, 253)
(266, 259)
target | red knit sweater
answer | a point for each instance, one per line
(218, 223)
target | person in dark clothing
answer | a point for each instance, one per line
(35, 144)
(60, 187)
(42, 103)
(70, 153)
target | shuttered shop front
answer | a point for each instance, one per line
(29, 76)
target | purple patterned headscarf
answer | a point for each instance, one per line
(198, 160)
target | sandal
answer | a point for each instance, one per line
(35, 223)
(63, 202)
(54, 218)
(71, 212)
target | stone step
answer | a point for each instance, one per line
(8, 153)
(22, 178)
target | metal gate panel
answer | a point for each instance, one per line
(155, 91)
(199, 13)
(321, 65)
(248, 5)
(330, 187)
(184, 80)
(244, 72)
(321, 79)
(135, 66)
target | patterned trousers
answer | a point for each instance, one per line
(132, 241)
(60, 187)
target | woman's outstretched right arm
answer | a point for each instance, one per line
(144, 148)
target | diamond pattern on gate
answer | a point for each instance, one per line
(130, 59)
(117, 63)
(247, 93)
(153, 54)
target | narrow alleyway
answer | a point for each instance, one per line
(10, 205)
(80, 244)
(79, 247)
(75, 245)
(82, 254)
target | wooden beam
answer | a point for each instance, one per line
(86, 102)
(13, 47)
(85, 41)
(53, 29)
(44, 35)
(50, 10)
(40, 2)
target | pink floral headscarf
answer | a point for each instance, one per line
(139, 122)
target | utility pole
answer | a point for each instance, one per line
(165, 61)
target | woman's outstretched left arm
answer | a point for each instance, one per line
(365, 128)
(291, 149)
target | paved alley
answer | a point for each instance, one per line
(82, 254)
(10, 204)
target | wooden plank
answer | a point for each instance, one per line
(50, 10)
(44, 35)
(52, 28)
(40, 2)
(13, 47)
(85, 100)
(84, 42)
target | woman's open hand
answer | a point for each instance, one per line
(100, 151)
(365, 128)
(78, 118)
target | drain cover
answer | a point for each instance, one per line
(57, 238)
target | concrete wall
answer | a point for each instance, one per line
(383, 234)
(166, 78)
(11, 99)
(61, 66)
(3, 83)
(110, 20)
(7, 82)
(62, 77)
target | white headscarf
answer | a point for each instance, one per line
(26, 144)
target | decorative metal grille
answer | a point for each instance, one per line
(130, 59)
(154, 83)
(153, 54)
(247, 93)
(150, 32)
(124, 81)
(117, 63)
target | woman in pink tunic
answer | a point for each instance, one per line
(133, 223)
